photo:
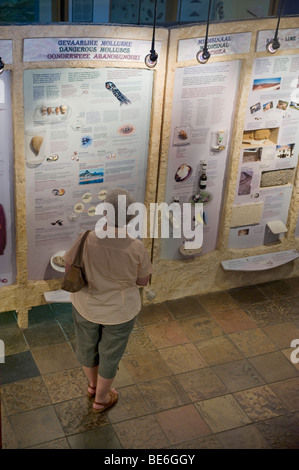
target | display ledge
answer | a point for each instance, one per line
(260, 262)
(59, 296)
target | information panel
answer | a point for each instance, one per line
(269, 154)
(202, 115)
(86, 131)
(7, 227)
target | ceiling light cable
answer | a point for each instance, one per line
(274, 44)
(152, 58)
(203, 55)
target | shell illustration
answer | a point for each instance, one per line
(118, 94)
(36, 143)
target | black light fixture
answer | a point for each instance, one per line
(203, 55)
(1, 65)
(152, 58)
(274, 44)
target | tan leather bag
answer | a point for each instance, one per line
(75, 278)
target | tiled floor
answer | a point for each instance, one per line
(205, 372)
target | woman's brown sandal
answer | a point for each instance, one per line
(93, 393)
(108, 404)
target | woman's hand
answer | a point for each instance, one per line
(142, 281)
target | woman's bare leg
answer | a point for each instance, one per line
(92, 375)
(102, 392)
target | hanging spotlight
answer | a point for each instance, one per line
(1, 65)
(152, 58)
(274, 44)
(204, 55)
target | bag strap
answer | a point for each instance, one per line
(78, 257)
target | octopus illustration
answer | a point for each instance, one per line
(121, 98)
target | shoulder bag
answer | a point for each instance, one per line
(75, 279)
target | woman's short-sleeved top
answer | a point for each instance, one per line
(111, 266)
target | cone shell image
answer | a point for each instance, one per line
(36, 143)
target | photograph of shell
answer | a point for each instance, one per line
(183, 173)
(51, 113)
(58, 262)
(126, 129)
(35, 143)
(182, 135)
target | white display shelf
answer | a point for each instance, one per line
(260, 262)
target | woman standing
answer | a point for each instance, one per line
(104, 311)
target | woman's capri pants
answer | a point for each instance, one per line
(101, 345)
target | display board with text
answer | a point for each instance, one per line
(269, 154)
(86, 131)
(201, 125)
(7, 224)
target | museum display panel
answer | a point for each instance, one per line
(83, 136)
(7, 228)
(219, 133)
(202, 115)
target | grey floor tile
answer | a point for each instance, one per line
(36, 426)
(141, 433)
(8, 319)
(247, 437)
(58, 444)
(19, 366)
(288, 391)
(101, 438)
(131, 404)
(185, 308)
(202, 384)
(163, 393)
(40, 314)
(281, 432)
(247, 295)
(238, 375)
(14, 339)
(76, 416)
(260, 403)
(41, 334)
(25, 395)
(277, 289)
(222, 413)
(54, 357)
(273, 366)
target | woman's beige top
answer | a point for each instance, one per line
(111, 266)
